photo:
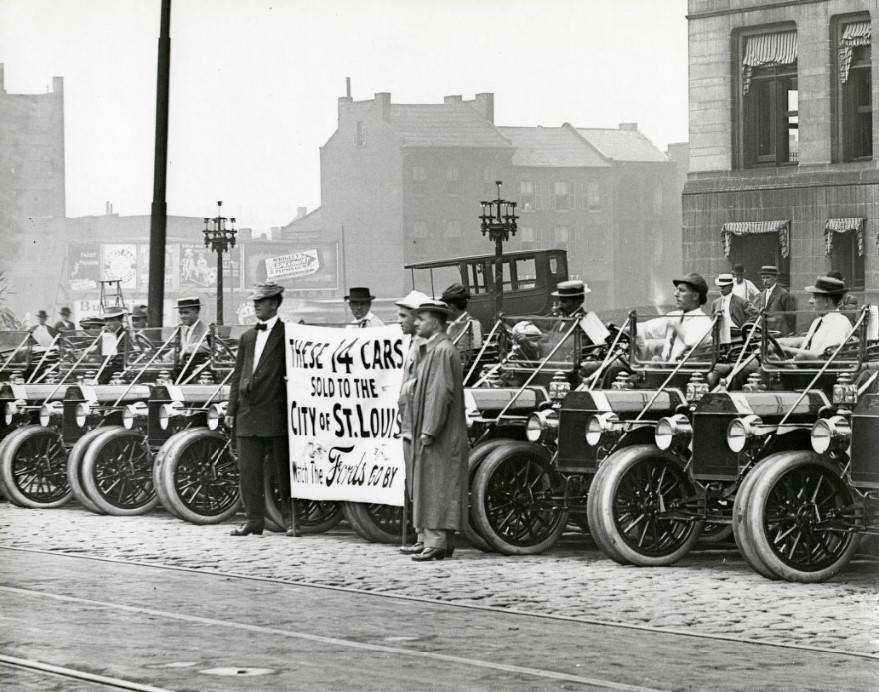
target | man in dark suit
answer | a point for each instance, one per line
(775, 299)
(257, 410)
(735, 310)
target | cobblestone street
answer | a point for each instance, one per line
(712, 592)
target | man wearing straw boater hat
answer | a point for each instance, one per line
(439, 438)
(829, 329)
(192, 329)
(735, 311)
(571, 296)
(257, 410)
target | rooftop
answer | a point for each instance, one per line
(555, 147)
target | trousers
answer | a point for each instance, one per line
(254, 453)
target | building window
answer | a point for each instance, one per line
(769, 99)
(593, 196)
(844, 245)
(361, 134)
(562, 195)
(419, 180)
(453, 180)
(526, 236)
(526, 195)
(855, 102)
(562, 236)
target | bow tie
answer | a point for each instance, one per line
(260, 326)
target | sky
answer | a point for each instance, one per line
(255, 83)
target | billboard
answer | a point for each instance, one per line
(303, 267)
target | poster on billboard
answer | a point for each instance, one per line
(343, 422)
(84, 267)
(197, 266)
(119, 263)
(312, 267)
(172, 267)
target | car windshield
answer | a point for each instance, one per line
(817, 336)
(671, 338)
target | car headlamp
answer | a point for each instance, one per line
(133, 413)
(602, 427)
(83, 411)
(169, 411)
(13, 409)
(48, 411)
(831, 433)
(216, 414)
(741, 432)
(673, 431)
(542, 425)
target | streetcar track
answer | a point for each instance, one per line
(468, 606)
(336, 641)
(66, 673)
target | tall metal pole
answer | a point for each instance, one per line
(159, 210)
(220, 287)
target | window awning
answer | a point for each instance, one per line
(782, 227)
(766, 50)
(854, 34)
(843, 226)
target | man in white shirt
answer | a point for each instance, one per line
(742, 287)
(360, 302)
(192, 329)
(41, 332)
(829, 329)
(687, 326)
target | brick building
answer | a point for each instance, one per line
(402, 183)
(782, 162)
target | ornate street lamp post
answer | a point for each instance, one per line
(498, 223)
(219, 239)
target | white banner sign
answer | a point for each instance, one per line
(292, 266)
(344, 427)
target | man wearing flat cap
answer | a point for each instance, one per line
(360, 303)
(406, 310)
(735, 311)
(464, 330)
(439, 438)
(257, 410)
(829, 329)
(775, 299)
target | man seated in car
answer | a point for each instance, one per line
(829, 329)
(669, 338)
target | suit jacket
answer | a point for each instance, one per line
(740, 310)
(258, 398)
(780, 300)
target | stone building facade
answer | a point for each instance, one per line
(783, 167)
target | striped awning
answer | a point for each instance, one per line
(766, 50)
(854, 34)
(843, 225)
(782, 227)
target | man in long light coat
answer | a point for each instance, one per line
(439, 436)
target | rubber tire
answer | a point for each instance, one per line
(74, 469)
(740, 530)
(615, 468)
(274, 518)
(147, 497)
(476, 457)
(158, 464)
(172, 452)
(362, 519)
(9, 449)
(715, 535)
(499, 456)
(770, 472)
(592, 517)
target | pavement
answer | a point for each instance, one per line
(712, 592)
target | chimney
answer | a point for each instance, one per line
(348, 87)
(484, 103)
(629, 127)
(301, 211)
(456, 98)
(58, 85)
(383, 101)
(2, 79)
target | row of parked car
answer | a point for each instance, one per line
(650, 455)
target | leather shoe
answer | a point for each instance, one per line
(431, 554)
(246, 530)
(413, 549)
(294, 533)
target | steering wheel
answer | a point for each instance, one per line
(775, 345)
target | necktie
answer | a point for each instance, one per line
(260, 326)
(362, 323)
(808, 344)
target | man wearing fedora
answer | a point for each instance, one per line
(670, 337)
(360, 303)
(464, 330)
(257, 410)
(65, 324)
(114, 323)
(41, 332)
(829, 329)
(439, 438)
(742, 287)
(775, 299)
(139, 317)
(735, 311)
